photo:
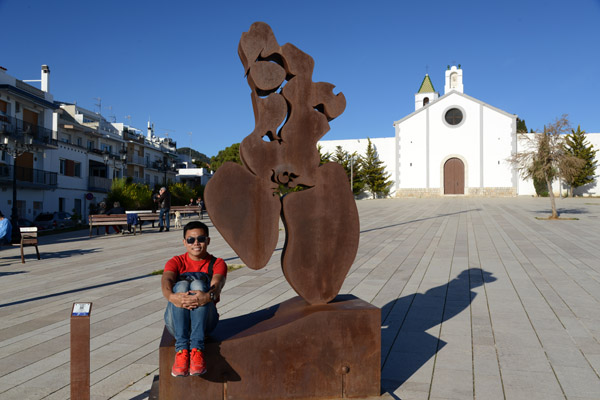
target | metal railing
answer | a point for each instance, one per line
(31, 176)
(16, 129)
(99, 184)
(135, 159)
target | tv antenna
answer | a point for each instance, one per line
(112, 116)
(190, 133)
(98, 104)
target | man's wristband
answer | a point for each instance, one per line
(212, 296)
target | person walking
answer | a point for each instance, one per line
(164, 202)
(5, 230)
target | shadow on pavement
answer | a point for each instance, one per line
(406, 320)
(83, 289)
(418, 220)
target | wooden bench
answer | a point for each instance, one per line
(96, 220)
(29, 237)
(146, 217)
(106, 220)
(185, 210)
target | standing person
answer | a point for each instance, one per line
(202, 207)
(154, 204)
(5, 230)
(164, 202)
(192, 283)
(117, 209)
(102, 210)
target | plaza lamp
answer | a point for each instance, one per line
(15, 148)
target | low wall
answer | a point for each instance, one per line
(476, 192)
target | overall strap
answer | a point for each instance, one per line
(210, 266)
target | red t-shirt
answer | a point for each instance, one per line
(183, 263)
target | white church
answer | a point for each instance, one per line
(452, 145)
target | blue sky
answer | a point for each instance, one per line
(176, 62)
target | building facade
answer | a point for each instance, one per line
(56, 156)
(453, 144)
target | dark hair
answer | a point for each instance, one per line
(1, 215)
(195, 225)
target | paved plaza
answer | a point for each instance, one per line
(479, 300)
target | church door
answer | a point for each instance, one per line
(454, 177)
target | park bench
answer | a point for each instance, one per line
(29, 237)
(185, 210)
(96, 220)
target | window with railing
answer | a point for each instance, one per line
(70, 168)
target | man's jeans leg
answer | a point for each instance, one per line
(168, 220)
(160, 217)
(188, 327)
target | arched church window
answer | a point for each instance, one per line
(453, 80)
(425, 101)
(454, 116)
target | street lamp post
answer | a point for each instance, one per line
(351, 160)
(14, 148)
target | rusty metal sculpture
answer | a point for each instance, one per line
(275, 353)
(280, 157)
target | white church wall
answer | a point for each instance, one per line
(497, 145)
(412, 142)
(462, 139)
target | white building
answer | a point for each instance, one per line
(27, 134)
(452, 145)
(63, 157)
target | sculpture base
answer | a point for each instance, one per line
(293, 350)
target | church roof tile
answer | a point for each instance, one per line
(426, 85)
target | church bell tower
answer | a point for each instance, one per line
(454, 79)
(426, 93)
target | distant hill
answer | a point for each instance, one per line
(196, 155)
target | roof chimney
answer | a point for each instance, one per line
(45, 78)
(150, 130)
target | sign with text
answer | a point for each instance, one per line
(81, 309)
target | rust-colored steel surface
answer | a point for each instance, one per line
(289, 351)
(280, 157)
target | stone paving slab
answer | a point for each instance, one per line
(479, 299)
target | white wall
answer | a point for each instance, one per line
(385, 149)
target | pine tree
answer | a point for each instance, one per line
(352, 165)
(577, 145)
(324, 157)
(373, 172)
(521, 126)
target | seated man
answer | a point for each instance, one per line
(5, 230)
(192, 283)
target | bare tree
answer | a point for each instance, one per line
(543, 157)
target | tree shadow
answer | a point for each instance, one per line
(406, 346)
(564, 211)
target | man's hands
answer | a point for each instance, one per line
(190, 300)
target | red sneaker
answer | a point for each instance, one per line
(182, 363)
(197, 364)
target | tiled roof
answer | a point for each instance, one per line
(426, 85)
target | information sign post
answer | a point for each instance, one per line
(80, 351)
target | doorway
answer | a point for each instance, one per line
(454, 176)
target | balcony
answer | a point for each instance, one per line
(136, 160)
(99, 184)
(17, 129)
(28, 177)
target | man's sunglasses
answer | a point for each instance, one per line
(192, 240)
